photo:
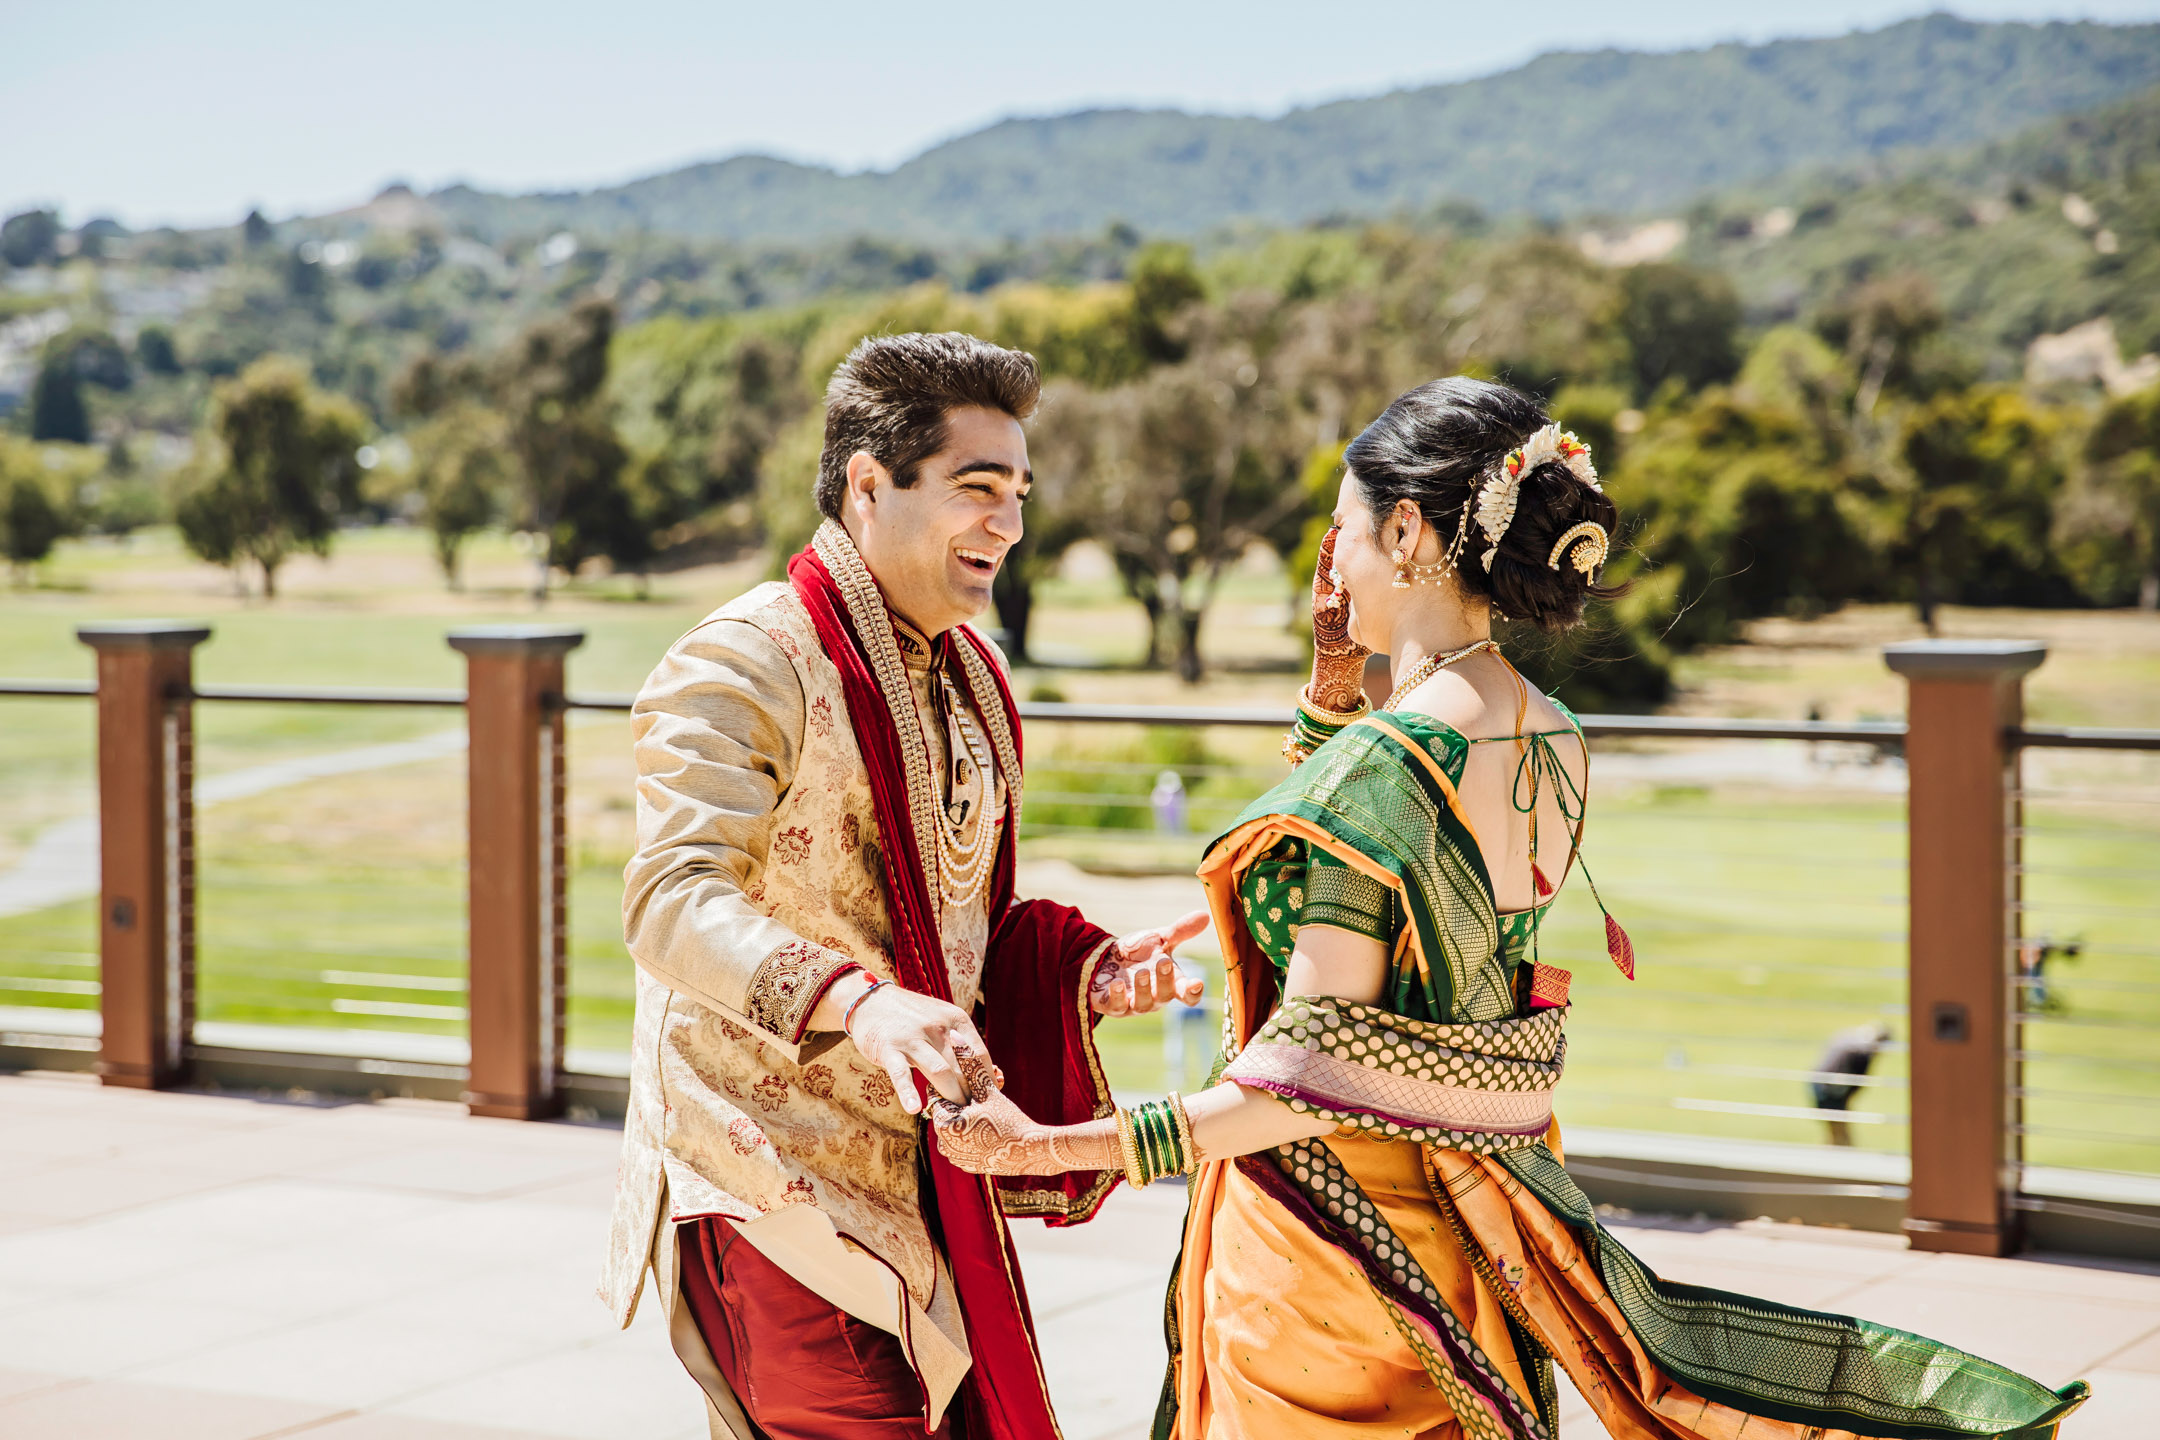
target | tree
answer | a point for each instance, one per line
(57, 411)
(287, 469)
(1163, 284)
(30, 238)
(458, 467)
(2122, 492)
(1681, 324)
(548, 387)
(1969, 513)
(95, 356)
(256, 231)
(565, 471)
(30, 525)
(155, 351)
(1187, 469)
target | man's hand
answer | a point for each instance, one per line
(901, 1031)
(1138, 974)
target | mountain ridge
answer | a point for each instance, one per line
(1566, 134)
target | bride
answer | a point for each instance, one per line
(1382, 1236)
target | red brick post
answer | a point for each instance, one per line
(1965, 696)
(146, 846)
(515, 859)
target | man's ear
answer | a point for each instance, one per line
(865, 477)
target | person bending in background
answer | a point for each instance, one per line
(1850, 1052)
(821, 910)
(1382, 1236)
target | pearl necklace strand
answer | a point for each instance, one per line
(966, 855)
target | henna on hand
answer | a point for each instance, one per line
(1338, 668)
(981, 1077)
(993, 1136)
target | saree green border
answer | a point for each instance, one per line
(1360, 792)
(1785, 1363)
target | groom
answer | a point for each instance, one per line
(821, 910)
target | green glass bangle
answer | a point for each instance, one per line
(1161, 1159)
(1151, 1138)
(1173, 1142)
(1166, 1128)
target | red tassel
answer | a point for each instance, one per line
(1619, 947)
(1537, 878)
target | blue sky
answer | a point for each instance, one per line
(155, 111)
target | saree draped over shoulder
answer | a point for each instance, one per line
(1422, 1269)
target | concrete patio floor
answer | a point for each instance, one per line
(196, 1267)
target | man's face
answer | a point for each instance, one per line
(935, 547)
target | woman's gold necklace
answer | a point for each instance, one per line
(1432, 665)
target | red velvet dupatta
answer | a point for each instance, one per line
(1036, 1021)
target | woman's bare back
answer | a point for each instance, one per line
(1487, 702)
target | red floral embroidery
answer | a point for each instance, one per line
(743, 1136)
(821, 716)
(733, 1031)
(732, 1090)
(850, 833)
(756, 895)
(858, 1146)
(877, 1088)
(787, 643)
(793, 846)
(798, 1192)
(818, 1081)
(770, 1092)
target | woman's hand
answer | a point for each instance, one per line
(1338, 668)
(993, 1136)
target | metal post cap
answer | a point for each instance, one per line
(1964, 659)
(528, 640)
(143, 634)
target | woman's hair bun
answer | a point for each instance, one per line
(1435, 447)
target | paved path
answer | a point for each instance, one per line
(62, 863)
(193, 1267)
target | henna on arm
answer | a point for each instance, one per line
(993, 1136)
(1338, 668)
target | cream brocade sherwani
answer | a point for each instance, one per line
(756, 881)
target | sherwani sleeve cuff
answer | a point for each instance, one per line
(786, 988)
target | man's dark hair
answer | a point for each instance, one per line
(893, 393)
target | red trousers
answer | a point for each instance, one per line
(802, 1368)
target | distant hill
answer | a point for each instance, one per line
(2020, 237)
(1563, 136)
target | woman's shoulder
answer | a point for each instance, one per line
(1487, 708)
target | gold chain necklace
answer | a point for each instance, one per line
(1432, 665)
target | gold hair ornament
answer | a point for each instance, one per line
(1590, 543)
(1497, 495)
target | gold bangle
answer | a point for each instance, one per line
(1129, 1150)
(1185, 1135)
(1337, 718)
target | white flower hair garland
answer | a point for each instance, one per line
(1496, 497)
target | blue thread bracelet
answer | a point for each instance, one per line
(847, 1017)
